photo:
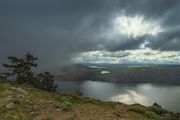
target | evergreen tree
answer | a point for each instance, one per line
(21, 68)
(46, 82)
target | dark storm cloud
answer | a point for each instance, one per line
(55, 29)
(166, 12)
(151, 9)
(169, 40)
(124, 43)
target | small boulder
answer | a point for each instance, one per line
(10, 106)
(2, 118)
(18, 95)
(18, 90)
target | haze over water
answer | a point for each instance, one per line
(168, 96)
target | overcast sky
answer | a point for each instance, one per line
(56, 30)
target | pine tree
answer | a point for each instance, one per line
(46, 82)
(21, 68)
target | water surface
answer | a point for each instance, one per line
(166, 95)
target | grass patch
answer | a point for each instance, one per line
(47, 118)
(140, 66)
(152, 115)
(137, 109)
(16, 116)
(144, 111)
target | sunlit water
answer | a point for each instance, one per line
(166, 95)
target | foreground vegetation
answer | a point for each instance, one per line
(22, 102)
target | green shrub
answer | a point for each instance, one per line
(144, 111)
(137, 109)
(152, 115)
(66, 103)
(158, 110)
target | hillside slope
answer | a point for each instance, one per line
(27, 103)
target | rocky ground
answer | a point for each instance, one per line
(27, 103)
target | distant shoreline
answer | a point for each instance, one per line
(159, 74)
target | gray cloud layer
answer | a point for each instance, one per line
(55, 29)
